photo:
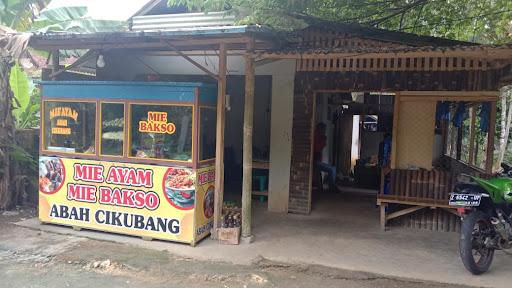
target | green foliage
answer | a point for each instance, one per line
(19, 83)
(73, 19)
(23, 158)
(19, 14)
(30, 116)
(486, 21)
(26, 99)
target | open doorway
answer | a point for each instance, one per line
(352, 141)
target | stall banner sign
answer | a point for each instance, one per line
(143, 200)
(205, 201)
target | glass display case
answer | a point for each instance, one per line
(129, 157)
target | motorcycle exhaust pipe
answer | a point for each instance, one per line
(500, 227)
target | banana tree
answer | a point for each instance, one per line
(17, 107)
(12, 47)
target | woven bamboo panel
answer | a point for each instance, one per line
(426, 186)
(321, 39)
(392, 64)
(415, 139)
(430, 219)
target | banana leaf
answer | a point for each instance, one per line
(73, 19)
(19, 83)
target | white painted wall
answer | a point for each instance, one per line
(127, 66)
(283, 75)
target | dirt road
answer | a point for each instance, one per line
(30, 258)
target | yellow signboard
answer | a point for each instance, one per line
(160, 202)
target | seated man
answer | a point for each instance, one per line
(320, 141)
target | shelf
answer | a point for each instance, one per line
(260, 193)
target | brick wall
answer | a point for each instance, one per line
(301, 148)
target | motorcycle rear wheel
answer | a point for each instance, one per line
(476, 257)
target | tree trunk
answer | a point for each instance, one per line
(506, 122)
(6, 131)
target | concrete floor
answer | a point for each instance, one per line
(341, 232)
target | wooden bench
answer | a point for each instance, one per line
(418, 189)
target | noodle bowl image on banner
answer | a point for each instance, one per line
(51, 174)
(179, 188)
(149, 201)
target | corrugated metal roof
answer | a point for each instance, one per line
(54, 40)
(181, 21)
(489, 50)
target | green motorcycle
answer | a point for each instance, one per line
(486, 206)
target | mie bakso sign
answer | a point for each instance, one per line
(143, 200)
(157, 123)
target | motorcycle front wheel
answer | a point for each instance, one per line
(476, 227)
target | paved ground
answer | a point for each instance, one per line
(342, 232)
(32, 258)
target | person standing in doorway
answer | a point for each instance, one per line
(385, 151)
(320, 141)
(385, 159)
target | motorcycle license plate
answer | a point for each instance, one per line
(465, 199)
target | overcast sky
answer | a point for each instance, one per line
(104, 9)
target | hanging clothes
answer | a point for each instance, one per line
(443, 111)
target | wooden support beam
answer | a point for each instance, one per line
(262, 62)
(403, 212)
(247, 153)
(192, 61)
(472, 125)
(448, 98)
(444, 131)
(383, 220)
(396, 112)
(413, 201)
(487, 52)
(458, 144)
(219, 144)
(490, 139)
(475, 94)
(55, 64)
(136, 43)
(82, 60)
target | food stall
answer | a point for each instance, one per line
(134, 158)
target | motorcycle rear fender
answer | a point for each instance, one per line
(486, 204)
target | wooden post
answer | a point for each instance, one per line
(458, 151)
(55, 63)
(444, 131)
(396, 112)
(219, 143)
(383, 219)
(472, 124)
(490, 139)
(247, 156)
